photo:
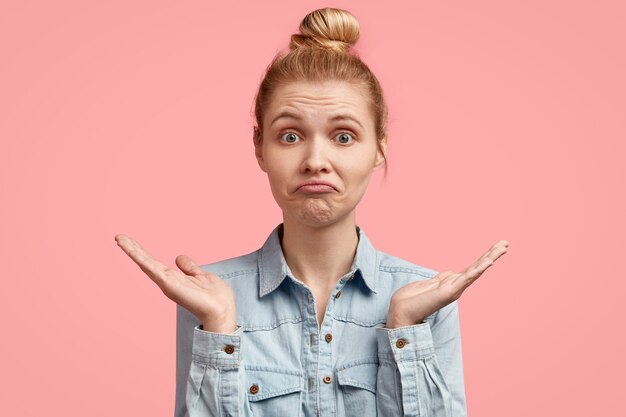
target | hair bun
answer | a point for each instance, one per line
(329, 28)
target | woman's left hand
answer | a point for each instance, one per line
(412, 303)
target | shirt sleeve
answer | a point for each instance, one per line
(421, 368)
(209, 372)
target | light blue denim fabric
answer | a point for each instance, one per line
(277, 363)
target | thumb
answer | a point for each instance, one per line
(188, 266)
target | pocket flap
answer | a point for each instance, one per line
(359, 374)
(272, 382)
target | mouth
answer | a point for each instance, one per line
(316, 187)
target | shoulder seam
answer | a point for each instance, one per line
(417, 271)
(237, 273)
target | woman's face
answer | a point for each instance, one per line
(318, 132)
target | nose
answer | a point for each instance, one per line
(316, 156)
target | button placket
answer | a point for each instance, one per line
(326, 369)
(311, 355)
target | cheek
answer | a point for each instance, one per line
(359, 171)
(278, 177)
(359, 181)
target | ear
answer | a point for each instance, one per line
(380, 160)
(258, 149)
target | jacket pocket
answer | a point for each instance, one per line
(274, 391)
(358, 387)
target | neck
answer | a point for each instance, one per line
(320, 256)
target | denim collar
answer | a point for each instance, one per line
(273, 268)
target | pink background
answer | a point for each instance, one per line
(506, 122)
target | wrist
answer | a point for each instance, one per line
(221, 329)
(395, 323)
(395, 320)
(222, 326)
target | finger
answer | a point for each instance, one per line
(142, 258)
(442, 276)
(188, 266)
(128, 241)
(499, 251)
(471, 274)
(493, 253)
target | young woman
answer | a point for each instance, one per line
(317, 322)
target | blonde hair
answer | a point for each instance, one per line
(322, 51)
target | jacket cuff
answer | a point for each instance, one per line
(219, 349)
(405, 343)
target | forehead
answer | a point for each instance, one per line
(316, 98)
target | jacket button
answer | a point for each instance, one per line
(338, 294)
(351, 277)
(400, 343)
(254, 388)
(328, 337)
(327, 379)
(229, 349)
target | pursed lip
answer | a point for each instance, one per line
(317, 183)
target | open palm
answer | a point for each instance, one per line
(412, 303)
(204, 294)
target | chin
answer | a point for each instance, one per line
(316, 213)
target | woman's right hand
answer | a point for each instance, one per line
(204, 294)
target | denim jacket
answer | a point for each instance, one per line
(277, 363)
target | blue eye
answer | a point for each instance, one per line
(290, 137)
(344, 138)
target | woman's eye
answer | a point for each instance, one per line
(344, 138)
(289, 137)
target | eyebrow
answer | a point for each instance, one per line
(290, 115)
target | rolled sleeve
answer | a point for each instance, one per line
(405, 343)
(216, 349)
(216, 375)
(413, 381)
(210, 371)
